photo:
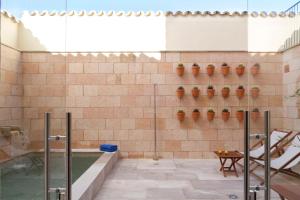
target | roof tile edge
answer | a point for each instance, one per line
(161, 13)
(8, 15)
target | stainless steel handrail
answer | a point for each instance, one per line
(267, 155)
(68, 157)
(250, 191)
(67, 192)
(246, 155)
(46, 155)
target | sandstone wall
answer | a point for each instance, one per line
(111, 98)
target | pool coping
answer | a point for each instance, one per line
(89, 183)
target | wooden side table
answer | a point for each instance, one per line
(233, 156)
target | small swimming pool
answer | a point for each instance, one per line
(22, 178)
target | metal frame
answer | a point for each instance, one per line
(246, 156)
(267, 155)
(250, 191)
(66, 192)
(294, 8)
(46, 155)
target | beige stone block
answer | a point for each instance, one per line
(98, 113)
(157, 78)
(127, 101)
(55, 101)
(77, 113)
(121, 68)
(30, 68)
(173, 134)
(56, 58)
(89, 124)
(121, 135)
(166, 155)
(113, 124)
(97, 58)
(165, 68)
(181, 155)
(128, 57)
(75, 68)
(30, 113)
(90, 67)
(106, 135)
(46, 68)
(37, 124)
(204, 135)
(85, 79)
(142, 101)
(77, 135)
(173, 146)
(56, 79)
(31, 90)
(195, 155)
(275, 101)
(216, 145)
(75, 90)
(135, 68)
(136, 112)
(39, 57)
(90, 90)
(195, 146)
(121, 113)
(127, 124)
(143, 79)
(172, 57)
(81, 101)
(90, 135)
(135, 155)
(150, 68)
(113, 79)
(136, 90)
(127, 145)
(37, 102)
(142, 123)
(128, 79)
(112, 90)
(5, 114)
(106, 68)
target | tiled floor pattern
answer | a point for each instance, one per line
(174, 179)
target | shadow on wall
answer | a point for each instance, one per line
(35, 41)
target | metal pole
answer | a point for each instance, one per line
(155, 136)
(46, 154)
(68, 157)
(267, 155)
(246, 155)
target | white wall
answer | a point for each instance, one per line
(150, 32)
(9, 31)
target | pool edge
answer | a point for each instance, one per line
(90, 182)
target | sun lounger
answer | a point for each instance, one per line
(276, 138)
(285, 163)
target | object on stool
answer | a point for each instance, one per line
(108, 147)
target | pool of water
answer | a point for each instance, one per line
(22, 178)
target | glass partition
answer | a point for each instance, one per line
(32, 82)
(168, 85)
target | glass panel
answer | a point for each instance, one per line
(32, 82)
(272, 80)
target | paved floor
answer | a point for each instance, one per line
(174, 179)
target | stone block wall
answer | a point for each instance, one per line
(111, 98)
(11, 95)
(291, 82)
